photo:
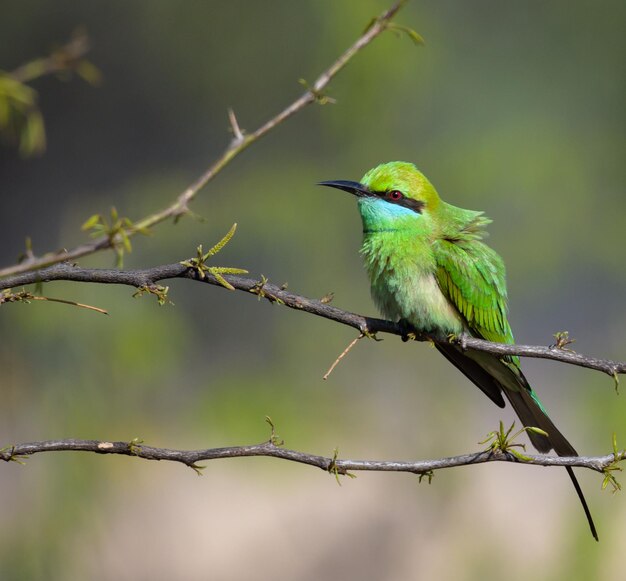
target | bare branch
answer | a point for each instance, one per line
(147, 278)
(191, 457)
(241, 141)
(342, 355)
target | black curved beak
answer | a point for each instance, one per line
(351, 187)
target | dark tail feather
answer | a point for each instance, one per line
(532, 415)
(581, 497)
(481, 378)
(519, 395)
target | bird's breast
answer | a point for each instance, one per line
(404, 284)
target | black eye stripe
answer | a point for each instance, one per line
(415, 205)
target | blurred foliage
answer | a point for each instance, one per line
(21, 120)
(116, 229)
(512, 108)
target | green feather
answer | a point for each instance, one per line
(428, 265)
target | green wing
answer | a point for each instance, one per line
(472, 276)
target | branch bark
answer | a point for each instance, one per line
(239, 143)
(271, 449)
(148, 278)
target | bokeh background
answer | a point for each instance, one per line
(513, 108)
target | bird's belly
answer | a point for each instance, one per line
(418, 299)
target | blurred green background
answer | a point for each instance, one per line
(513, 108)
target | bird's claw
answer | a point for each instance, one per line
(407, 331)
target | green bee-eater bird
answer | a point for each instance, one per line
(429, 267)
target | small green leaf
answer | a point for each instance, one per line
(412, 34)
(223, 242)
(91, 222)
(415, 37)
(222, 281)
(537, 431)
(197, 468)
(33, 137)
(5, 111)
(125, 240)
(89, 72)
(199, 262)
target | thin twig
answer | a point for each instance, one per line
(241, 141)
(66, 302)
(342, 355)
(61, 59)
(147, 278)
(191, 457)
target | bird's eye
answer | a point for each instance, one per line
(395, 195)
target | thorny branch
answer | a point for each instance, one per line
(56, 266)
(190, 458)
(239, 143)
(148, 278)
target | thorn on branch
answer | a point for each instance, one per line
(319, 96)
(238, 134)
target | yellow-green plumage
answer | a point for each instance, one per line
(429, 267)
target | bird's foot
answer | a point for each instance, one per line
(407, 331)
(460, 340)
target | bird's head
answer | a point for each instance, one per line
(393, 196)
